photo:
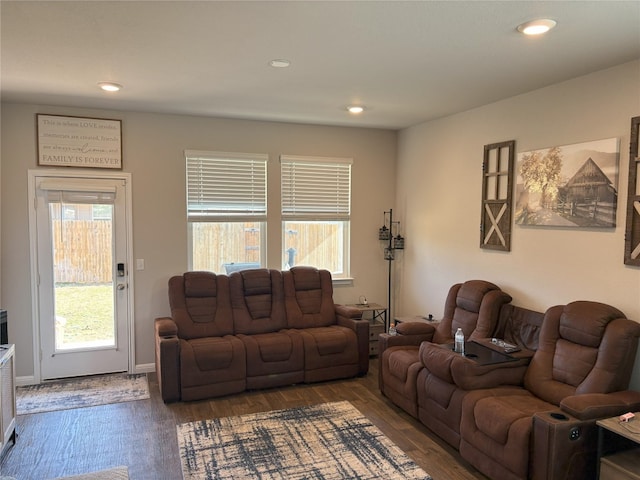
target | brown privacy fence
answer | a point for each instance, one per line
(219, 244)
(82, 251)
(83, 248)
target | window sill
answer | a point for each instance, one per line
(343, 281)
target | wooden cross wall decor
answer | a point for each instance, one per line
(497, 192)
(632, 233)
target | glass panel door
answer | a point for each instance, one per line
(83, 279)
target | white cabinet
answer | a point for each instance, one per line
(7, 396)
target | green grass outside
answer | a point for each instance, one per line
(88, 311)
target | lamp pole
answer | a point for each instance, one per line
(390, 260)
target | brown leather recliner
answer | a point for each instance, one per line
(546, 428)
(274, 357)
(328, 331)
(473, 306)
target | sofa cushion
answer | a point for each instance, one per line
(200, 305)
(496, 428)
(575, 329)
(329, 347)
(257, 299)
(271, 347)
(211, 361)
(200, 284)
(213, 353)
(308, 298)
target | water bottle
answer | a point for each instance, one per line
(392, 329)
(459, 339)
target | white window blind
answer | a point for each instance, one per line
(226, 186)
(315, 188)
(77, 191)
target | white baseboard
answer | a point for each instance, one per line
(23, 381)
(145, 368)
(31, 380)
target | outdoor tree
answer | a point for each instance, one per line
(541, 174)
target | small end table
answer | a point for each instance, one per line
(377, 322)
(623, 463)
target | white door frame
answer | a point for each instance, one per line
(33, 249)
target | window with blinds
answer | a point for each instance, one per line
(316, 208)
(226, 210)
(316, 188)
(226, 186)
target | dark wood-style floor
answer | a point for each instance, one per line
(142, 434)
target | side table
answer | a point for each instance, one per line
(624, 463)
(377, 322)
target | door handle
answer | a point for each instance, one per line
(121, 286)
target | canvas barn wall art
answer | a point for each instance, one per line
(573, 186)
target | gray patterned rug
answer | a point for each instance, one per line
(330, 441)
(81, 392)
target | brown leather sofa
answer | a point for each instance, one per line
(533, 417)
(255, 329)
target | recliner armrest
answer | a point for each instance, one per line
(167, 353)
(361, 328)
(590, 406)
(165, 327)
(385, 340)
(416, 328)
(347, 312)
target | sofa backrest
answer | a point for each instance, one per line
(200, 304)
(257, 300)
(584, 347)
(473, 306)
(519, 326)
(308, 296)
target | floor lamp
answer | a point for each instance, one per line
(395, 241)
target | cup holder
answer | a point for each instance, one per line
(559, 416)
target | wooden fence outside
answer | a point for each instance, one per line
(82, 251)
(217, 244)
(83, 248)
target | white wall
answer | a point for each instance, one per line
(439, 181)
(153, 148)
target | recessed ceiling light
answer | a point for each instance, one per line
(355, 109)
(537, 27)
(280, 63)
(110, 86)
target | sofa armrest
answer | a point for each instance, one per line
(591, 406)
(402, 340)
(416, 328)
(166, 327)
(167, 355)
(347, 312)
(361, 328)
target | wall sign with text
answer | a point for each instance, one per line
(79, 142)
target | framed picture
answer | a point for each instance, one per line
(572, 186)
(79, 142)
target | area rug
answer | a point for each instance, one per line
(81, 392)
(329, 441)
(117, 473)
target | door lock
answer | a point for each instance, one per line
(121, 286)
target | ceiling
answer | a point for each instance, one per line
(405, 61)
